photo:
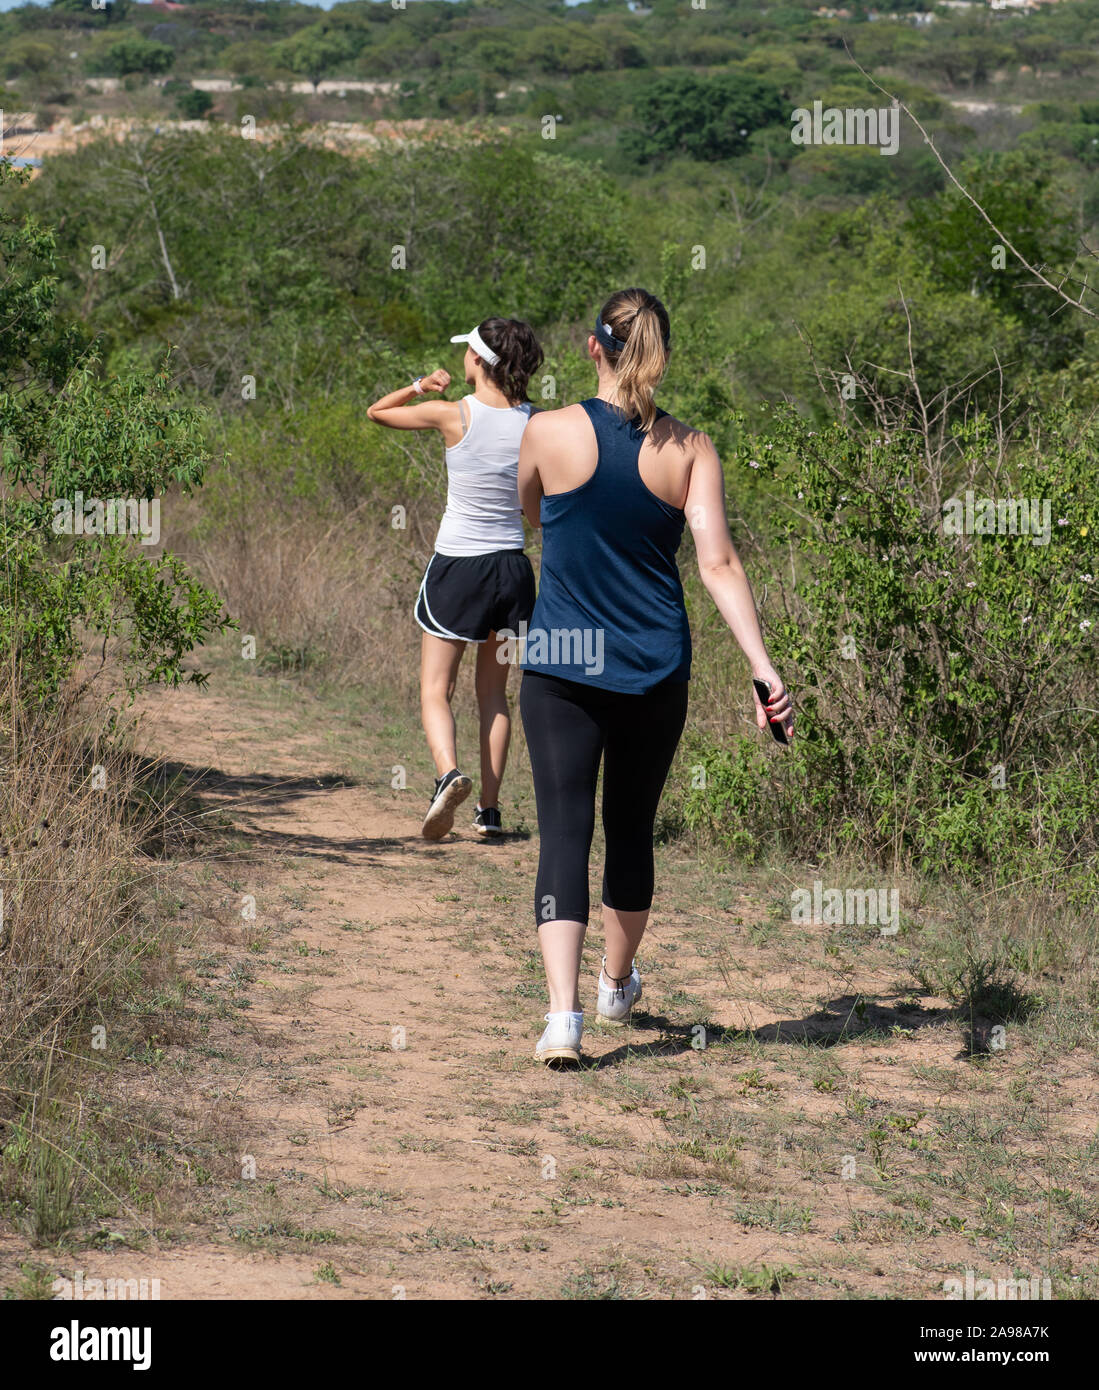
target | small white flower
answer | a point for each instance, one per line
(1086, 578)
(972, 584)
(801, 494)
(1085, 625)
(1062, 521)
(753, 463)
(768, 446)
(1026, 619)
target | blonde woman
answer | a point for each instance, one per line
(479, 581)
(611, 481)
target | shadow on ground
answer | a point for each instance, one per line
(847, 1018)
(193, 795)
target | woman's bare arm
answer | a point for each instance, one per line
(395, 411)
(724, 577)
(531, 449)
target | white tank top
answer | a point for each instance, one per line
(482, 500)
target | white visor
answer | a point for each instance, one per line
(479, 346)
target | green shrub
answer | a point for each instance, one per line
(71, 437)
(943, 682)
(703, 118)
(193, 104)
(130, 53)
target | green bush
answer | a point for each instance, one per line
(705, 118)
(69, 434)
(944, 683)
(130, 53)
(193, 104)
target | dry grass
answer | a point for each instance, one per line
(331, 595)
(70, 827)
(87, 965)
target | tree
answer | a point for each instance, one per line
(1077, 61)
(70, 433)
(313, 52)
(535, 236)
(27, 55)
(193, 103)
(561, 49)
(131, 53)
(703, 118)
(857, 319)
(1022, 195)
(247, 59)
(1039, 48)
(112, 10)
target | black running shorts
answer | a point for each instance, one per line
(466, 597)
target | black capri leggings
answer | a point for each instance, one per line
(570, 726)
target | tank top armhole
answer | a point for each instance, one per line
(598, 438)
(587, 407)
(465, 414)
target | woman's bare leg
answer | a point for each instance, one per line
(562, 944)
(439, 660)
(622, 932)
(495, 717)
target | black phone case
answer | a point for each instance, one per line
(763, 690)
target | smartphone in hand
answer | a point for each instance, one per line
(778, 729)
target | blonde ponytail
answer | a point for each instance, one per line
(639, 321)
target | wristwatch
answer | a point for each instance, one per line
(417, 387)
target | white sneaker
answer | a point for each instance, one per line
(616, 1001)
(450, 791)
(561, 1040)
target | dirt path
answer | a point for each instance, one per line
(356, 1063)
(390, 1080)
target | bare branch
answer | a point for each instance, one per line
(1039, 277)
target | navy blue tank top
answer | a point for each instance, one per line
(610, 609)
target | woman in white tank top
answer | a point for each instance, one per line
(478, 586)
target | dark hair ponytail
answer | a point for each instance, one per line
(519, 352)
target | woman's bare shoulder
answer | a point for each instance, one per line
(564, 418)
(668, 432)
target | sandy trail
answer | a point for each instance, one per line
(358, 1064)
(330, 1089)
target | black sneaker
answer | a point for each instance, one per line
(450, 792)
(486, 821)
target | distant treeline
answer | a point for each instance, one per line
(456, 58)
